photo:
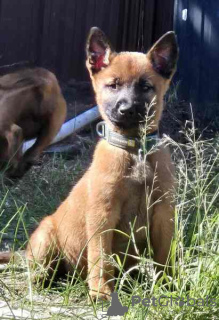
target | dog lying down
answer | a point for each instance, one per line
(129, 180)
(31, 106)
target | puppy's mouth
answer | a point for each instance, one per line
(126, 122)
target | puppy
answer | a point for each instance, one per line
(31, 106)
(130, 182)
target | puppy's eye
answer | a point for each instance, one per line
(145, 86)
(113, 85)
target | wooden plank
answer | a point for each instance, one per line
(163, 21)
(122, 25)
(67, 32)
(128, 25)
(60, 25)
(53, 9)
(90, 14)
(148, 25)
(46, 49)
(39, 29)
(133, 25)
(113, 22)
(15, 31)
(78, 61)
(34, 42)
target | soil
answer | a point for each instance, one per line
(178, 115)
(79, 97)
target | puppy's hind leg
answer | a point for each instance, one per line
(42, 250)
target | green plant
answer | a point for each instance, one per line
(195, 248)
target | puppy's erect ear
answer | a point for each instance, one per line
(164, 54)
(98, 50)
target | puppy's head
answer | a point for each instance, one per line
(129, 85)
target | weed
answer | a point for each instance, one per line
(194, 252)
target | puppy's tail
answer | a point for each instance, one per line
(8, 256)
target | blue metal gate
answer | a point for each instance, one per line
(197, 26)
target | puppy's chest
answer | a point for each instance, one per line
(138, 173)
(136, 185)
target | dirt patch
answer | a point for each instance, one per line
(79, 96)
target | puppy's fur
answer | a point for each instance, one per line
(31, 106)
(114, 191)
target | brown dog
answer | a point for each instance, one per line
(31, 106)
(121, 186)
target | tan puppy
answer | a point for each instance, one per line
(31, 106)
(120, 187)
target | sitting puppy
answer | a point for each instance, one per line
(31, 106)
(130, 180)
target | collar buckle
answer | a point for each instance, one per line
(101, 129)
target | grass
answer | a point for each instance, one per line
(195, 254)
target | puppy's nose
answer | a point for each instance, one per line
(125, 108)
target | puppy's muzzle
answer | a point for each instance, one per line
(125, 109)
(128, 110)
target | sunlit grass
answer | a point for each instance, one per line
(194, 254)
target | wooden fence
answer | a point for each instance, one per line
(52, 33)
